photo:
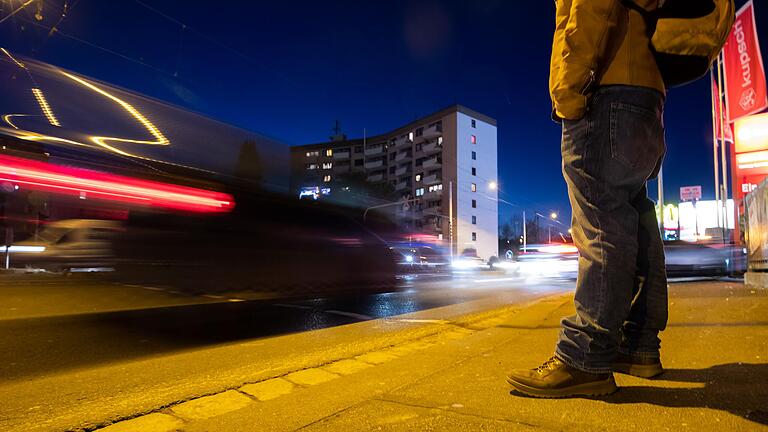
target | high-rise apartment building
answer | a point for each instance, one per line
(443, 168)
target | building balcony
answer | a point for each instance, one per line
(374, 164)
(402, 142)
(432, 163)
(341, 155)
(434, 131)
(403, 170)
(402, 186)
(431, 212)
(375, 178)
(402, 156)
(431, 147)
(433, 179)
(374, 150)
(434, 195)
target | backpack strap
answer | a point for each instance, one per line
(651, 17)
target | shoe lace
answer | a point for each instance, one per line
(547, 364)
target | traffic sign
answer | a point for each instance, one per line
(690, 193)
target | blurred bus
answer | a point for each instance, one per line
(98, 178)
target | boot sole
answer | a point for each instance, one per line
(641, 371)
(598, 388)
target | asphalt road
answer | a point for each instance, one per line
(75, 351)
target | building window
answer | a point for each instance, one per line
(418, 147)
(418, 178)
(440, 141)
(392, 156)
(419, 131)
(436, 188)
(474, 124)
(392, 170)
(474, 171)
(474, 187)
(419, 192)
(327, 179)
(329, 152)
(410, 136)
(474, 155)
(358, 149)
(474, 236)
(358, 162)
(311, 167)
(313, 154)
(474, 203)
(473, 139)
(327, 165)
(474, 220)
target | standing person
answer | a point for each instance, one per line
(608, 92)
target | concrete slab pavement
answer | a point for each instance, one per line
(715, 351)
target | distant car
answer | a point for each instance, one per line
(704, 259)
(66, 245)
(419, 259)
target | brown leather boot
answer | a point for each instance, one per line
(642, 367)
(555, 379)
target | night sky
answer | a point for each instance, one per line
(289, 69)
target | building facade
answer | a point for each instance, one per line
(442, 168)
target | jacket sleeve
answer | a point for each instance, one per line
(589, 26)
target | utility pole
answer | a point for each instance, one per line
(450, 217)
(525, 234)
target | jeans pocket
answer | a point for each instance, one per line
(636, 137)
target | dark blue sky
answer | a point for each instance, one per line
(300, 65)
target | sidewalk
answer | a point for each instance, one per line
(715, 351)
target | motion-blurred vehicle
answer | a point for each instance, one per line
(704, 259)
(201, 206)
(420, 259)
(550, 260)
(68, 245)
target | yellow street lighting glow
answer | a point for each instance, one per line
(160, 139)
(493, 185)
(45, 107)
(553, 215)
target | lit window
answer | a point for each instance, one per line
(329, 152)
(473, 139)
(439, 141)
(436, 188)
(327, 165)
(474, 220)
(474, 155)
(410, 137)
(474, 236)
(474, 203)
(327, 179)
(418, 178)
(419, 192)
(474, 171)
(312, 167)
(474, 124)
(474, 187)
(313, 154)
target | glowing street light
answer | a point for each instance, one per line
(493, 185)
(553, 216)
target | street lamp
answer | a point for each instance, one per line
(553, 216)
(493, 185)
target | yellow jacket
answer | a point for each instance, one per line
(598, 42)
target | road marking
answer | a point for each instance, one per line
(349, 314)
(496, 280)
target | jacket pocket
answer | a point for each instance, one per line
(636, 137)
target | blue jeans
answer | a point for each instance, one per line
(621, 290)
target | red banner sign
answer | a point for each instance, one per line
(715, 95)
(745, 86)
